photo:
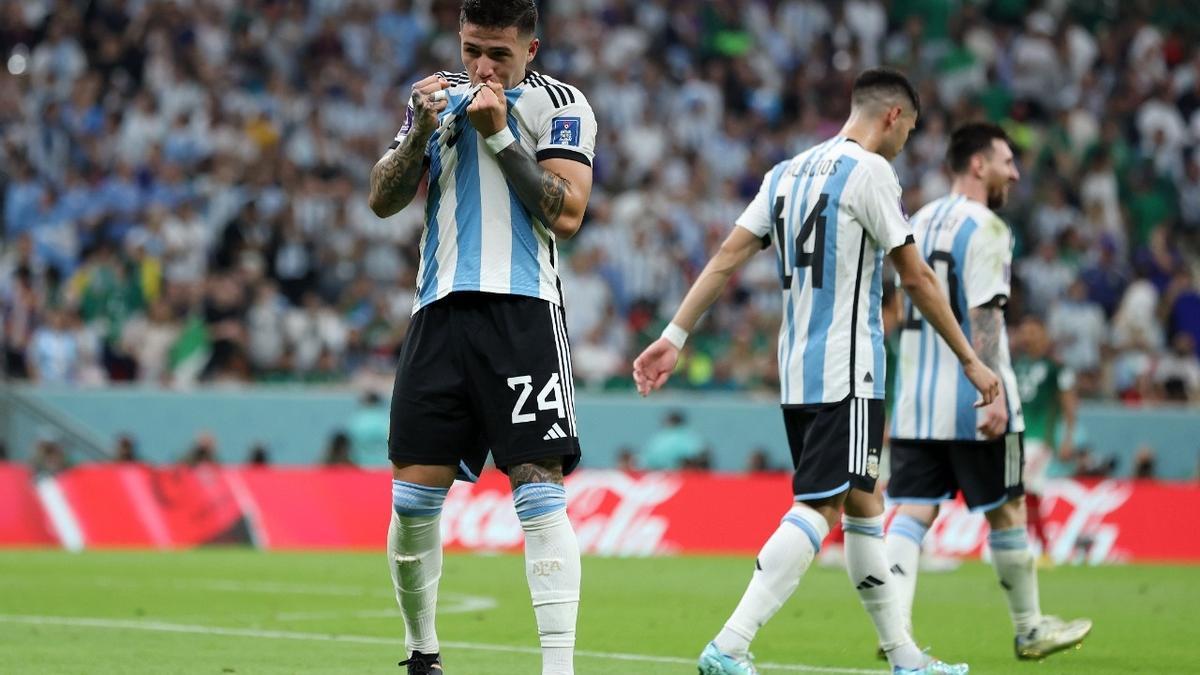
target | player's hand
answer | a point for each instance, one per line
(425, 106)
(654, 365)
(488, 112)
(984, 380)
(995, 417)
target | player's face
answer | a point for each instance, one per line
(496, 54)
(999, 173)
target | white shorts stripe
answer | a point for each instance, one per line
(569, 385)
(853, 449)
(569, 377)
(564, 366)
(863, 426)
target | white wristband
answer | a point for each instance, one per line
(500, 140)
(675, 335)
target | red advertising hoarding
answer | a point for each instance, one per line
(614, 513)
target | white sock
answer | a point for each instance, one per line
(781, 563)
(415, 557)
(903, 544)
(867, 563)
(553, 571)
(1014, 564)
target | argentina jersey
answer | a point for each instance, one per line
(832, 213)
(970, 250)
(478, 236)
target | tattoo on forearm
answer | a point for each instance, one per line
(539, 471)
(394, 179)
(542, 192)
(987, 327)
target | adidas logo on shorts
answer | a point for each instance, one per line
(555, 432)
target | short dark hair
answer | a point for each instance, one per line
(884, 81)
(970, 139)
(500, 14)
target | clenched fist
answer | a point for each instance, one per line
(425, 105)
(488, 112)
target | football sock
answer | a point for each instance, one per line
(777, 572)
(552, 569)
(867, 563)
(1018, 576)
(903, 544)
(415, 557)
(1033, 507)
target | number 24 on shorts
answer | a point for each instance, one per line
(549, 398)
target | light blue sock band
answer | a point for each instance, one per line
(410, 499)
(806, 528)
(908, 527)
(871, 527)
(537, 499)
(1013, 539)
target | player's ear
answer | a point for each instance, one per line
(534, 44)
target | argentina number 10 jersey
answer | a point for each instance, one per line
(970, 251)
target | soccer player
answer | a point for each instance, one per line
(941, 443)
(832, 212)
(1047, 394)
(485, 364)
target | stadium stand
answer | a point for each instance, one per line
(184, 183)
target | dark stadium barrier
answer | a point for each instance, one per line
(615, 513)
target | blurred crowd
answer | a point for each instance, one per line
(184, 199)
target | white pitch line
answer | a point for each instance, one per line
(165, 627)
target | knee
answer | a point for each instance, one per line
(1008, 515)
(924, 514)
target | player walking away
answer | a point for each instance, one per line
(832, 212)
(940, 442)
(1047, 392)
(485, 364)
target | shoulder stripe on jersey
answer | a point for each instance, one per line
(564, 92)
(460, 77)
(560, 94)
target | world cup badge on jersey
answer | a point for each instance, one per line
(873, 463)
(564, 131)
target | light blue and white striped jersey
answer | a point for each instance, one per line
(833, 212)
(478, 236)
(970, 250)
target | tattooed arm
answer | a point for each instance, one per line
(554, 190)
(987, 329)
(395, 177)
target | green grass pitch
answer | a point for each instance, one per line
(237, 611)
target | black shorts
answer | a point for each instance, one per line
(482, 372)
(834, 447)
(989, 473)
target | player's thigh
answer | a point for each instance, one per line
(989, 473)
(835, 447)
(520, 372)
(432, 420)
(921, 472)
